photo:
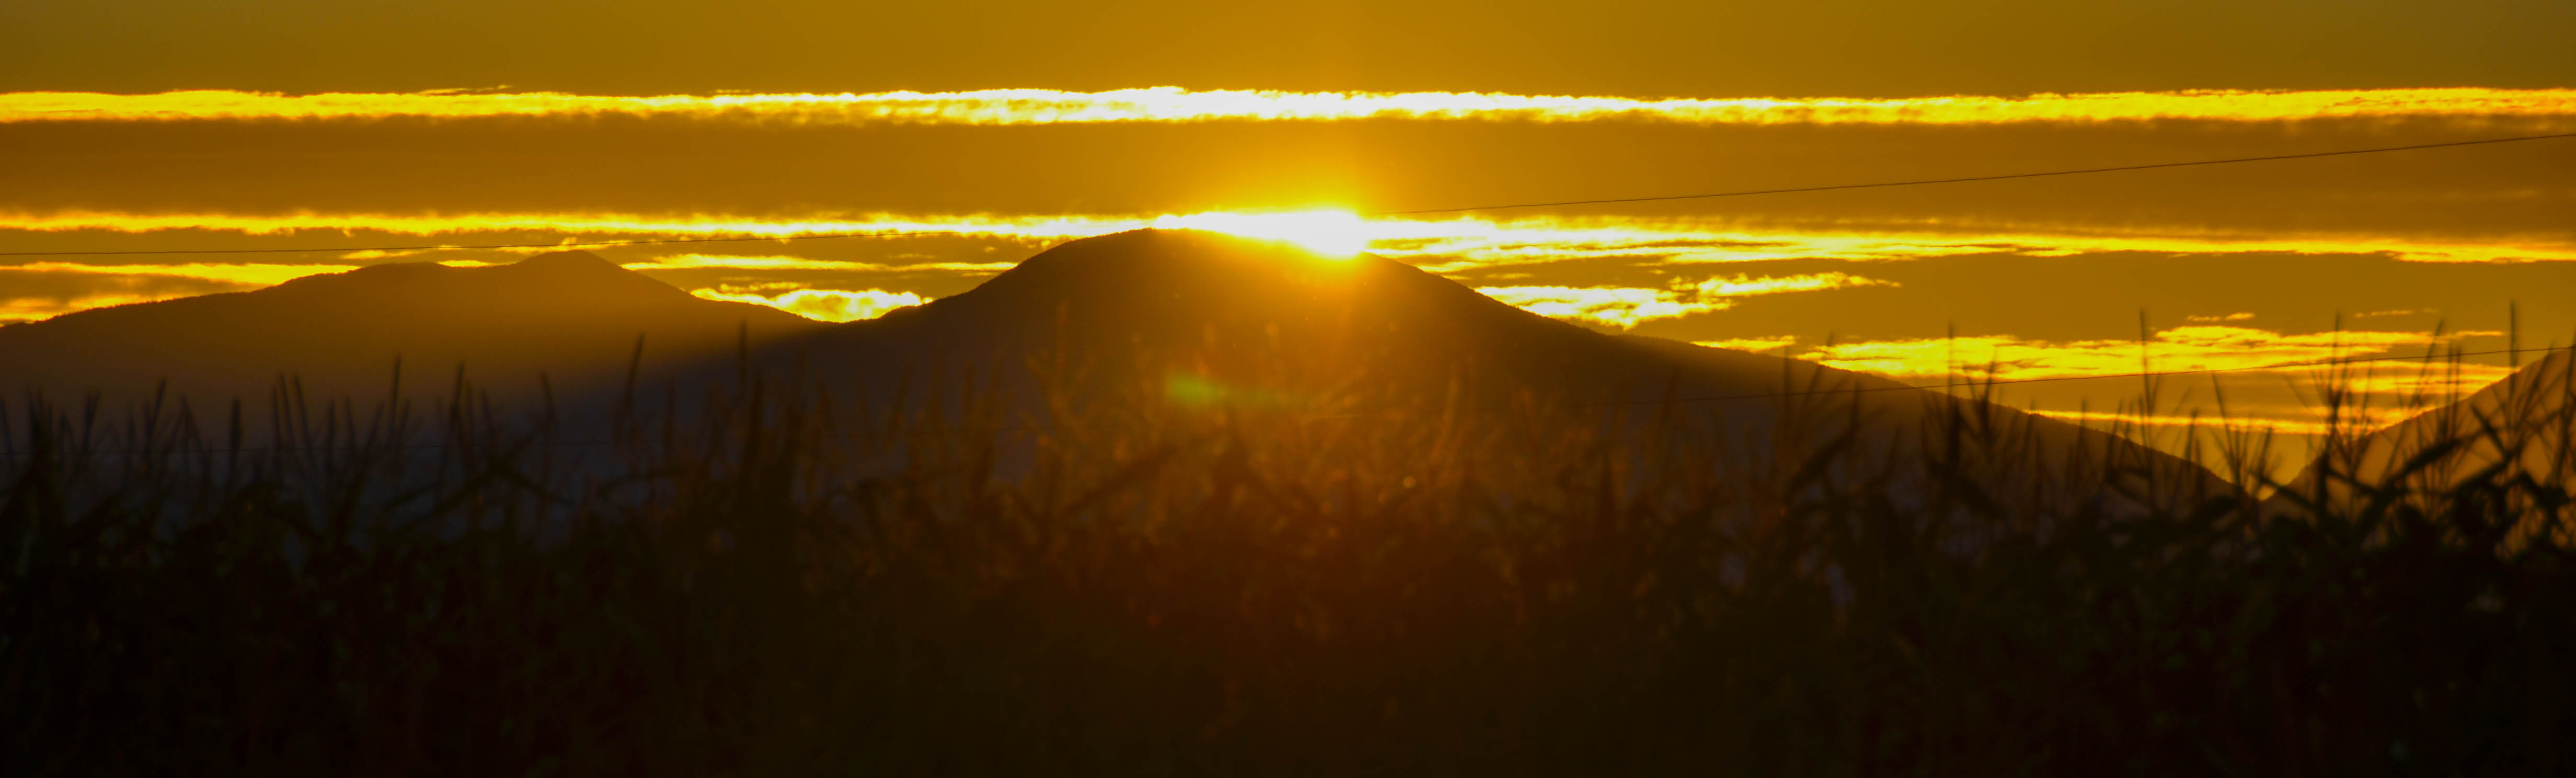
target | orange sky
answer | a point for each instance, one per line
(1635, 48)
(184, 124)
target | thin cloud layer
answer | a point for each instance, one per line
(1174, 104)
(2257, 366)
(728, 262)
(43, 290)
(832, 305)
(1438, 245)
(1626, 307)
(1614, 306)
(245, 273)
(2189, 348)
(20, 310)
(1750, 344)
(1742, 285)
(1471, 247)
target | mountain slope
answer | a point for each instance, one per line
(571, 315)
(1202, 320)
(1153, 302)
(2531, 413)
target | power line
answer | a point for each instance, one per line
(2000, 177)
(1416, 212)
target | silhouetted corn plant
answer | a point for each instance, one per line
(779, 582)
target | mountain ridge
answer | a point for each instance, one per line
(2520, 406)
(1179, 319)
(1205, 322)
(571, 316)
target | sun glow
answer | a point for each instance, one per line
(1334, 234)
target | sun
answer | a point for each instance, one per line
(1329, 233)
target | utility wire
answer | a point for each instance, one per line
(2000, 177)
(1416, 212)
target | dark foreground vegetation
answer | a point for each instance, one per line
(786, 586)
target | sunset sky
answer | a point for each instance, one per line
(1008, 127)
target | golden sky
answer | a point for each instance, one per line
(1638, 48)
(1007, 127)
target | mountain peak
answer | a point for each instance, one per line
(552, 268)
(1176, 252)
(1204, 275)
(579, 261)
(563, 279)
(1229, 308)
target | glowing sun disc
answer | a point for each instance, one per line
(1328, 233)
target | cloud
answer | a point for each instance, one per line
(833, 305)
(1626, 307)
(1454, 245)
(1750, 344)
(39, 291)
(1741, 285)
(1615, 306)
(2198, 347)
(731, 262)
(1438, 245)
(261, 274)
(1449, 246)
(2217, 318)
(17, 310)
(578, 227)
(1174, 104)
(2274, 379)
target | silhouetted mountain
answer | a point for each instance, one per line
(2515, 414)
(1153, 318)
(1214, 321)
(572, 316)
(1247, 316)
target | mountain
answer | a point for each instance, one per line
(2530, 412)
(571, 316)
(1194, 319)
(1175, 320)
(1261, 318)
